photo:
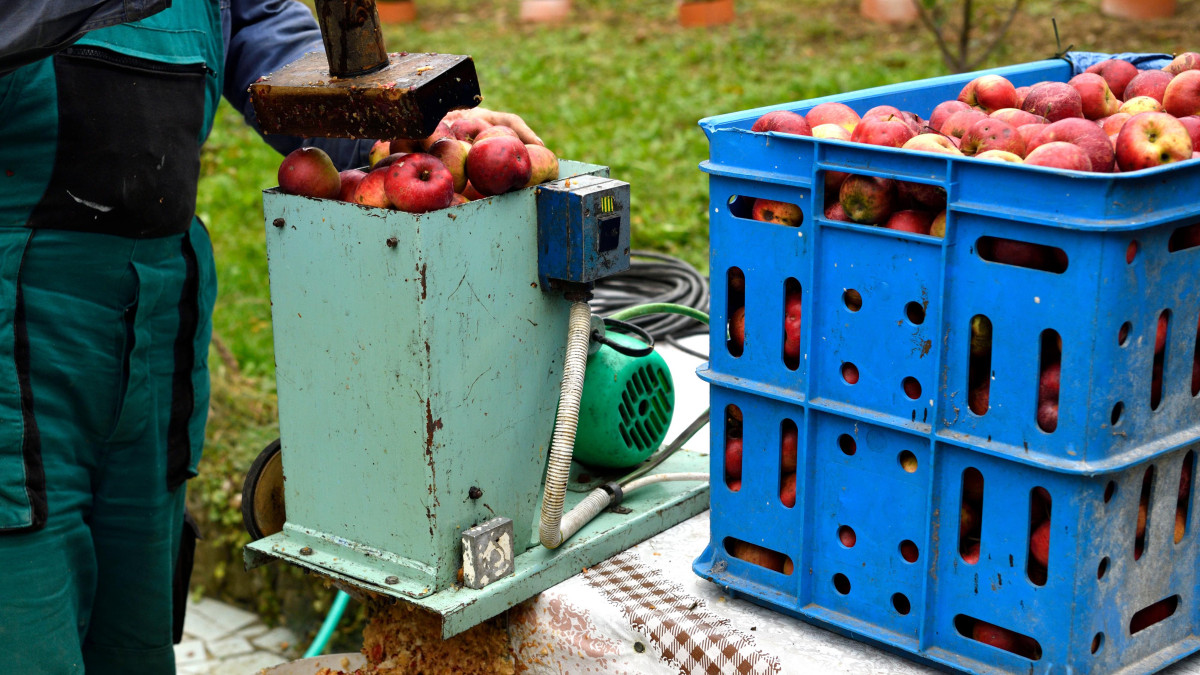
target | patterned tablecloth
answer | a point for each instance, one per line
(644, 612)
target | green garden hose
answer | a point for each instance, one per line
(329, 625)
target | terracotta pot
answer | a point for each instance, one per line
(397, 11)
(545, 11)
(889, 11)
(1138, 9)
(697, 13)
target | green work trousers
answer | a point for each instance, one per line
(103, 398)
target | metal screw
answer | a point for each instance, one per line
(306, 551)
(391, 581)
(279, 222)
(474, 492)
(639, 647)
(392, 241)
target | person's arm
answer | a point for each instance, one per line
(33, 30)
(262, 36)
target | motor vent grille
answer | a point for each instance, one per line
(644, 409)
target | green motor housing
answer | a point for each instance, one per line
(626, 406)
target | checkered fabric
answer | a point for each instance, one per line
(679, 626)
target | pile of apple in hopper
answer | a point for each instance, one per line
(358, 90)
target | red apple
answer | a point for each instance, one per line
(944, 110)
(788, 446)
(832, 113)
(442, 131)
(1192, 124)
(850, 373)
(309, 172)
(1096, 99)
(379, 150)
(459, 199)
(1087, 135)
(834, 131)
(883, 112)
(909, 551)
(498, 165)
(784, 122)
(419, 183)
(792, 315)
(453, 154)
(910, 221)
(1027, 133)
(1017, 117)
(1182, 96)
(544, 164)
(922, 195)
(1152, 83)
(1022, 92)
(968, 520)
(1116, 73)
(735, 485)
(1048, 382)
(1047, 416)
(733, 459)
(1160, 335)
(471, 193)
(970, 554)
(787, 494)
(978, 399)
(1152, 139)
(996, 637)
(834, 211)
(1113, 123)
(389, 160)
(914, 121)
(468, 128)
(989, 92)
(371, 192)
(887, 131)
(780, 213)
(958, 123)
(1054, 101)
(868, 199)
(1183, 62)
(496, 130)
(991, 134)
(350, 178)
(737, 329)
(1059, 155)
(931, 143)
(847, 537)
(1140, 104)
(1000, 156)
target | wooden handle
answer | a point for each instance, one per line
(353, 39)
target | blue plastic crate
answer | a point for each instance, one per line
(918, 297)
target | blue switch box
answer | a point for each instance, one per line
(583, 229)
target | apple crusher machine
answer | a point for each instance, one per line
(430, 368)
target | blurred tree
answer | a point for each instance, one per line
(954, 35)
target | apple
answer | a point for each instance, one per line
(944, 110)
(938, 227)
(1183, 62)
(471, 193)
(847, 537)
(419, 183)
(886, 131)
(1054, 101)
(995, 636)
(978, 399)
(1017, 117)
(884, 112)
(544, 164)
(922, 195)
(792, 315)
(350, 178)
(498, 165)
(784, 122)
(1152, 139)
(735, 485)
(468, 128)
(909, 551)
(868, 199)
(737, 330)
(309, 172)
(1022, 92)
(1096, 98)
(733, 459)
(968, 520)
(787, 493)
(988, 93)
(991, 134)
(459, 199)
(1182, 96)
(757, 555)
(970, 553)
(850, 373)
(1000, 156)
(1180, 526)
(1113, 123)
(452, 153)
(496, 130)
(1059, 155)
(1080, 132)
(914, 121)
(832, 113)
(1027, 133)
(931, 143)
(958, 123)
(1160, 335)
(1140, 532)
(1140, 104)
(379, 150)
(973, 484)
(1047, 416)
(1192, 124)
(1116, 73)
(1048, 382)
(780, 213)
(1152, 83)
(371, 192)
(442, 131)
(389, 160)
(834, 131)
(910, 221)
(834, 211)
(788, 445)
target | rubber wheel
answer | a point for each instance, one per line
(263, 511)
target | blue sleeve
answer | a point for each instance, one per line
(34, 30)
(262, 36)
(1081, 61)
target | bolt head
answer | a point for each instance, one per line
(392, 581)
(306, 551)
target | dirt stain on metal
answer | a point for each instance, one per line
(424, 287)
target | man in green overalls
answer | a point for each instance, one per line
(106, 293)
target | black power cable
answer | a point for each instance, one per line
(656, 277)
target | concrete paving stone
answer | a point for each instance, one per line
(201, 668)
(226, 618)
(252, 631)
(228, 647)
(279, 640)
(247, 664)
(190, 651)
